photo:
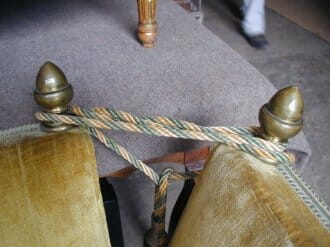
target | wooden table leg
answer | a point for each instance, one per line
(147, 27)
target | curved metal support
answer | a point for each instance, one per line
(53, 93)
(147, 26)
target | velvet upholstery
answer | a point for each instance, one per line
(49, 191)
(241, 201)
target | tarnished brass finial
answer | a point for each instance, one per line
(281, 117)
(53, 93)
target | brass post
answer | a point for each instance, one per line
(147, 26)
(53, 93)
(281, 117)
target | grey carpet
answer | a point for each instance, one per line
(190, 74)
(317, 13)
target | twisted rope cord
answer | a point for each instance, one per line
(264, 149)
(241, 135)
(159, 213)
(183, 175)
(121, 151)
(158, 216)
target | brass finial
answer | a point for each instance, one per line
(281, 117)
(53, 93)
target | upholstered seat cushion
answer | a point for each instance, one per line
(241, 201)
(49, 191)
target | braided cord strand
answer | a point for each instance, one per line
(156, 235)
(121, 151)
(242, 135)
(263, 152)
(183, 175)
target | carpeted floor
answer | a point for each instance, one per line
(313, 15)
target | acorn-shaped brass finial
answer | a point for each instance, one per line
(281, 117)
(53, 93)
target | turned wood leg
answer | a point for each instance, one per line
(147, 27)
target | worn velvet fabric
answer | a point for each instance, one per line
(241, 201)
(49, 191)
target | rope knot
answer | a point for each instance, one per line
(165, 176)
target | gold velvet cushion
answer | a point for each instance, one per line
(49, 190)
(241, 201)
